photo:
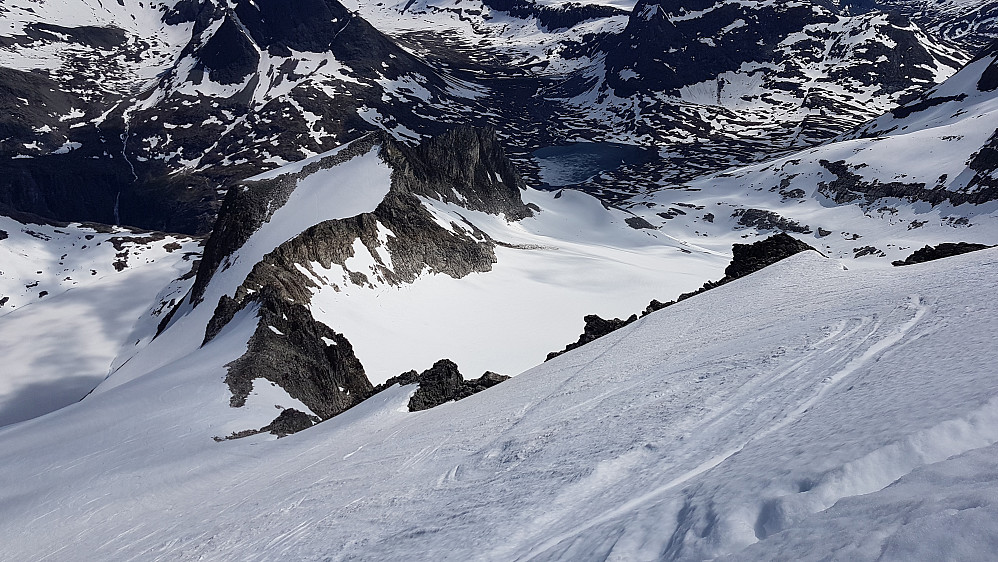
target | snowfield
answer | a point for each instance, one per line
(803, 412)
(73, 300)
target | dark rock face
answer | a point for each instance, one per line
(944, 250)
(923, 104)
(985, 165)
(244, 210)
(989, 78)
(288, 422)
(638, 223)
(440, 384)
(306, 358)
(464, 165)
(746, 259)
(228, 56)
(849, 187)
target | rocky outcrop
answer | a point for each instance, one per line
(596, 327)
(306, 358)
(761, 219)
(440, 384)
(465, 165)
(944, 250)
(749, 258)
(989, 78)
(287, 422)
(984, 164)
(850, 187)
(746, 259)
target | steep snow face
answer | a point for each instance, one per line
(72, 300)
(830, 411)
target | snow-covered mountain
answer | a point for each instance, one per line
(163, 106)
(924, 171)
(408, 206)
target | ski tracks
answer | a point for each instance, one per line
(912, 311)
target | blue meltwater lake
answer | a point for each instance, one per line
(574, 163)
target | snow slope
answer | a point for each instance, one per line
(800, 412)
(73, 299)
(574, 257)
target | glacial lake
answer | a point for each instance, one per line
(575, 163)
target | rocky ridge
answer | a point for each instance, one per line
(291, 349)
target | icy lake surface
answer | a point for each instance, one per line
(575, 163)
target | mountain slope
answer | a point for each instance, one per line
(923, 171)
(76, 299)
(162, 107)
(696, 432)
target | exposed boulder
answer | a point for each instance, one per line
(440, 384)
(289, 421)
(596, 327)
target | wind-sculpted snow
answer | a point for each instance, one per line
(831, 412)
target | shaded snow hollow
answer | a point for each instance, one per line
(802, 412)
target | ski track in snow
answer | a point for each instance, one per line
(826, 384)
